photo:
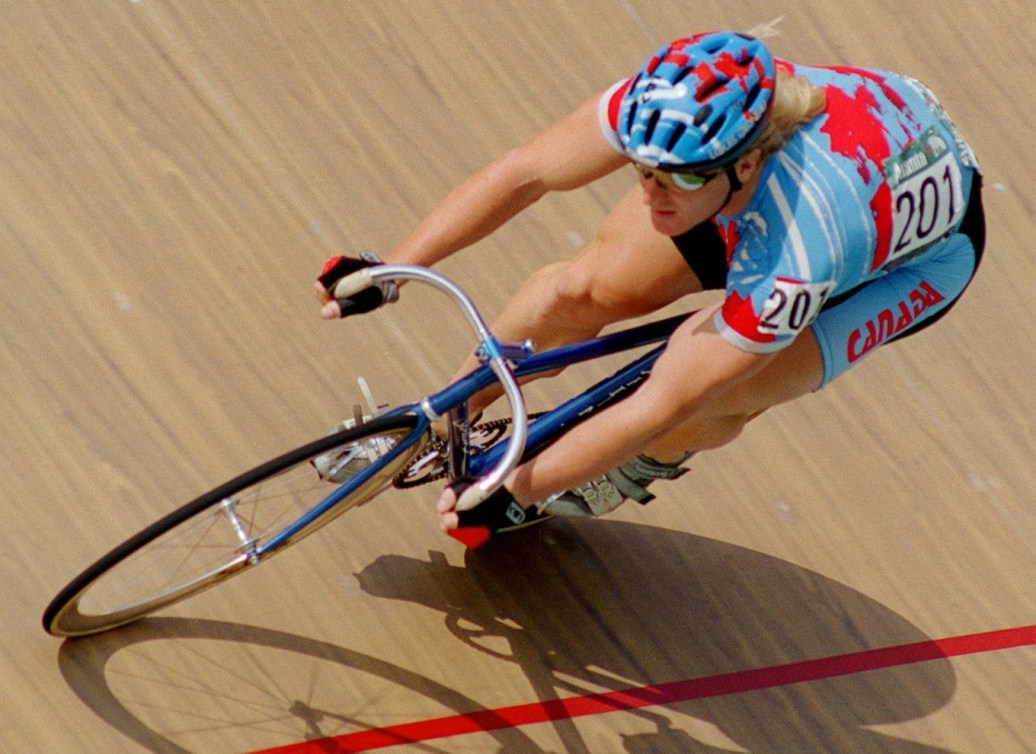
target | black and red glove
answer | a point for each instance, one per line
(497, 514)
(366, 300)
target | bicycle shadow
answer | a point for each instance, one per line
(579, 608)
(608, 605)
(271, 711)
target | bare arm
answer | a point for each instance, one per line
(568, 154)
(697, 368)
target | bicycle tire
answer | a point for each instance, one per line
(191, 549)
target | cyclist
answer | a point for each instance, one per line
(838, 208)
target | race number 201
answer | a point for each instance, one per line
(926, 206)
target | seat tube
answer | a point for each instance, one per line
(458, 430)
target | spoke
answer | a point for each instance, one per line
(248, 546)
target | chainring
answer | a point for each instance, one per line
(430, 466)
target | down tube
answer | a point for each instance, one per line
(344, 490)
(550, 426)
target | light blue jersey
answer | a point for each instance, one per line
(876, 181)
(864, 226)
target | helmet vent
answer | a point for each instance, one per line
(631, 116)
(652, 124)
(703, 114)
(709, 89)
(714, 128)
(687, 71)
(751, 97)
(674, 138)
(714, 46)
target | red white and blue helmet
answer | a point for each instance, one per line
(698, 103)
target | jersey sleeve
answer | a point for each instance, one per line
(608, 113)
(770, 316)
(780, 275)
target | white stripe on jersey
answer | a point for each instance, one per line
(818, 196)
(798, 245)
(850, 190)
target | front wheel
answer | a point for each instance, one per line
(236, 525)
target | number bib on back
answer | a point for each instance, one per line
(927, 194)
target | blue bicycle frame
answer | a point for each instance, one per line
(236, 525)
(545, 429)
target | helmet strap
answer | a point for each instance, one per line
(735, 186)
(735, 182)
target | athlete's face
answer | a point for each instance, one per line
(678, 203)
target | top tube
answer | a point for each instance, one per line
(556, 358)
(547, 428)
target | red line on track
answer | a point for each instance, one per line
(665, 693)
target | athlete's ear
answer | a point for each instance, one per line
(747, 164)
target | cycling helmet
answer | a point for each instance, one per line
(698, 103)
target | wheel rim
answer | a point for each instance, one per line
(222, 538)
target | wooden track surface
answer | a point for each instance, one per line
(173, 175)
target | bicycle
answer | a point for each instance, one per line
(255, 515)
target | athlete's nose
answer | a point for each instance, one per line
(653, 190)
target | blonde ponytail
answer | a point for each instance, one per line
(795, 102)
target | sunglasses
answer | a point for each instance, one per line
(683, 181)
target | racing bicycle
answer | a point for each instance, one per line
(250, 518)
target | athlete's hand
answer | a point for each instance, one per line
(365, 301)
(497, 514)
(448, 517)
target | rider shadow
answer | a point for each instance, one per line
(626, 605)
